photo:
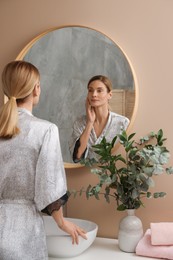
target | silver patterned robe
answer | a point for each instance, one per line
(115, 124)
(31, 177)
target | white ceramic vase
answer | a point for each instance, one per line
(130, 232)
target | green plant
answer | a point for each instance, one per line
(127, 177)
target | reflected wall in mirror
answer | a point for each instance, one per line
(67, 58)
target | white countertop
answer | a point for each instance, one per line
(105, 248)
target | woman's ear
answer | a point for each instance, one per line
(36, 94)
(36, 91)
(110, 95)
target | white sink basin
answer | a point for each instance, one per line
(59, 243)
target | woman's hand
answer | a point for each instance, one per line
(90, 112)
(73, 230)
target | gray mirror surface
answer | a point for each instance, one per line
(67, 58)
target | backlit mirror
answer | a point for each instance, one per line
(67, 58)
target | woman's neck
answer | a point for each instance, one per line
(27, 105)
(100, 121)
(102, 114)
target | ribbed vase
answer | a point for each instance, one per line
(130, 232)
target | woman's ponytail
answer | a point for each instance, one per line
(18, 79)
(9, 119)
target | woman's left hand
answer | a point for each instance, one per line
(73, 230)
(69, 227)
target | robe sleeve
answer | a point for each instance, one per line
(125, 123)
(78, 128)
(56, 205)
(50, 179)
(77, 145)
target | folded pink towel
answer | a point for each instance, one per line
(145, 248)
(162, 233)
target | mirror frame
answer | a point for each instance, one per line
(23, 52)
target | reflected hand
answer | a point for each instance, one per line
(90, 112)
(73, 230)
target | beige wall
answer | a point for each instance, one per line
(143, 28)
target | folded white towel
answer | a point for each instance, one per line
(162, 233)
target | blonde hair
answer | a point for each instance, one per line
(18, 81)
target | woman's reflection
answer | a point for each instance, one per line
(99, 121)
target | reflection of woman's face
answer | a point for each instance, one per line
(98, 94)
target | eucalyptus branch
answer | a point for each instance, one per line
(75, 192)
(131, 182)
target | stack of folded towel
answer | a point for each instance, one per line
(157, 241)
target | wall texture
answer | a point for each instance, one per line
(143, 29)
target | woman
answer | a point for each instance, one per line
(99, 121)
(32, 176)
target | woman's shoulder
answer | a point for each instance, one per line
(118, 116)
(45, 124)
(43, 127)
(26, 117)
(80, 120)
(29, 120)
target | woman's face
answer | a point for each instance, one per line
(98, 94)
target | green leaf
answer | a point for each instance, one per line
(113, 141)
(96, 196)
(164, 157)
(96, 171)
(131, 136)
(150, 182)
(149, 195)
(144, 186)
(158, 169)
(123, 137)
(119, 189)
(160, 134)
(121, 207)
(121, 159)
(162, 194)
(133, 154)
(135, 194)
(156, 195)
(143, 177)
(159, 137)
(144, 139)
(97, 188)
(69, 193)
(169, 170)
(72, 192)
(159, 195)
(129, 146)
(148, 170)
(137, 204)
(152, 134)
(81, 191)
(107, 198)
(88, 162)
(88, 191)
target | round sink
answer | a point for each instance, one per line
(59, 243)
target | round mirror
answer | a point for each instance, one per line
(67, 58)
